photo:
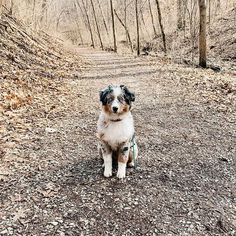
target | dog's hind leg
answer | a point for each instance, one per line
(107, 157)
(133, 155)
(100, 151)
(122, 160)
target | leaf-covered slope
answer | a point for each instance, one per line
(33, 71)
(221, 43)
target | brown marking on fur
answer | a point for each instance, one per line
(107, 108)
(125, 108)
(105, 147)
(122, 159)
(130, 157)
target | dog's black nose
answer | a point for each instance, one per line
(115, 109)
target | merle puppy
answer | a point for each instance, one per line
(116, 129)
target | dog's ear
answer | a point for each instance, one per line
(129, 96)
(103, 95)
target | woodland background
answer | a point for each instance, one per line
(90, 23)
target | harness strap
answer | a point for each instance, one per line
(132, 142)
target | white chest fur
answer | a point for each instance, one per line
(115, 133)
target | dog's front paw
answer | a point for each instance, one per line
(120, 174)
(107, 173)
(121, 170)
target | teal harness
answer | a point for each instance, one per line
(132, 143)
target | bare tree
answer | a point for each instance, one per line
(77, 23)
(103, 18)
(152, 18)
(137, 27)
(113, 26)
(180, 15)
(161, 25)
(209, 14)
(202, 33)
(191, 9)
(125, 19)
(144, 24)
(59, 18)
(82, 14)
(89, 24)
(126, 30)
(96, 22)
(11, 7)
(33, 14)
(43, 14)
(1, 8)
(185, 3)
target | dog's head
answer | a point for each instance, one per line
(116, 99)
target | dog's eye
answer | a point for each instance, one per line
(109, 100)
(121, 99)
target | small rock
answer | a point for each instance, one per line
(4, 232)
(54, 223)
(50, 130)
(223, 159)
(127, 208)
(61, 233)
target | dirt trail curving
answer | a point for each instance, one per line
(185, 183)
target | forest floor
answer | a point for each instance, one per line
(51, 180)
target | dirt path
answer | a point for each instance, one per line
(184, 185)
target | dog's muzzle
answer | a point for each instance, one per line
(115, 109)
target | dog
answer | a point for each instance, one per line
(115, 129)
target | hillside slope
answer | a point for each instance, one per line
(33, 71)
(221, 44)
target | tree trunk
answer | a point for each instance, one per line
(113, 26)
(217, 8)
(77, 23)
(33, 15)
(125, 20)
(137, 27)
(161, 26)
(209, 14)
(59, 18)
(180, 22)
(43, 11)
(96, 22)
(144, 24)
(89, 25)
(202, 33)
(84, 19)
(184, 15)
(1, 8)
(103, 18)
(126, 30)
(152, 18)
(11, 8)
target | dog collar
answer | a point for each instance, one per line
(117, 120)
